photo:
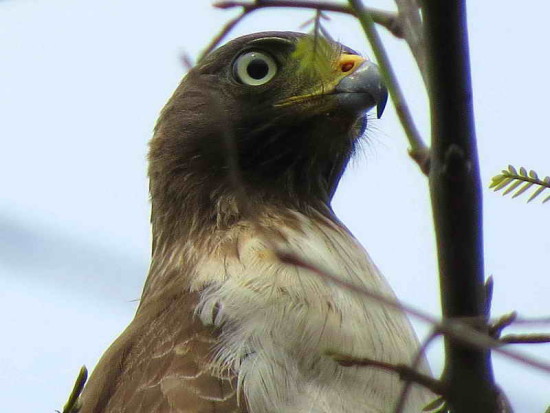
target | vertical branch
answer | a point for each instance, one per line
(457, 203)
(411, 23)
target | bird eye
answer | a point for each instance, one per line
(254, 68)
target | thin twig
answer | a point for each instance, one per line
(420, 353)
(411, 23)
(532, 321)
(384, 18)
(405, 372)
(452, 328)
(496, 327)
(422, 159)
(418, 149)
(186, 61)
(525, 339)
(221, 35)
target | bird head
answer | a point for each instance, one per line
(287, 108)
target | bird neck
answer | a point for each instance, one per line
(199, 186)
(200, 189)
(184, 231)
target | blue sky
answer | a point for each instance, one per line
(81, 85)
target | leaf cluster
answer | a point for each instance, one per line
(519, 182)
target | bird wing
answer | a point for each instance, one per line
(161, 363)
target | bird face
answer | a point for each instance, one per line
(312, 76)
(290, 106)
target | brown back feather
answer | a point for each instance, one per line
(161, 364)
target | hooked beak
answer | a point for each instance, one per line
(363, 89)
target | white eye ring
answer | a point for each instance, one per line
(254, 68)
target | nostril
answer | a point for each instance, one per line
(348, 63)
(347, 66)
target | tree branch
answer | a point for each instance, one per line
(525, 339)
(384, 18)
(457, 203)
(496, 327)
(533, 321)
(387, 19)
(405, 372)
(413, 33)
(221, 35)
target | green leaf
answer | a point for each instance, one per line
(496, 180)
(523, 189)
(512, 187)
(536, 193)
(502, 184)
(520, 182)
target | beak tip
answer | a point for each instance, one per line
(364, 89)
(382, 103)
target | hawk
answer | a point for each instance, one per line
(245, 158)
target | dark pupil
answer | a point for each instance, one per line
(257, 69)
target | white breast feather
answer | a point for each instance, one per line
(277, 322)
